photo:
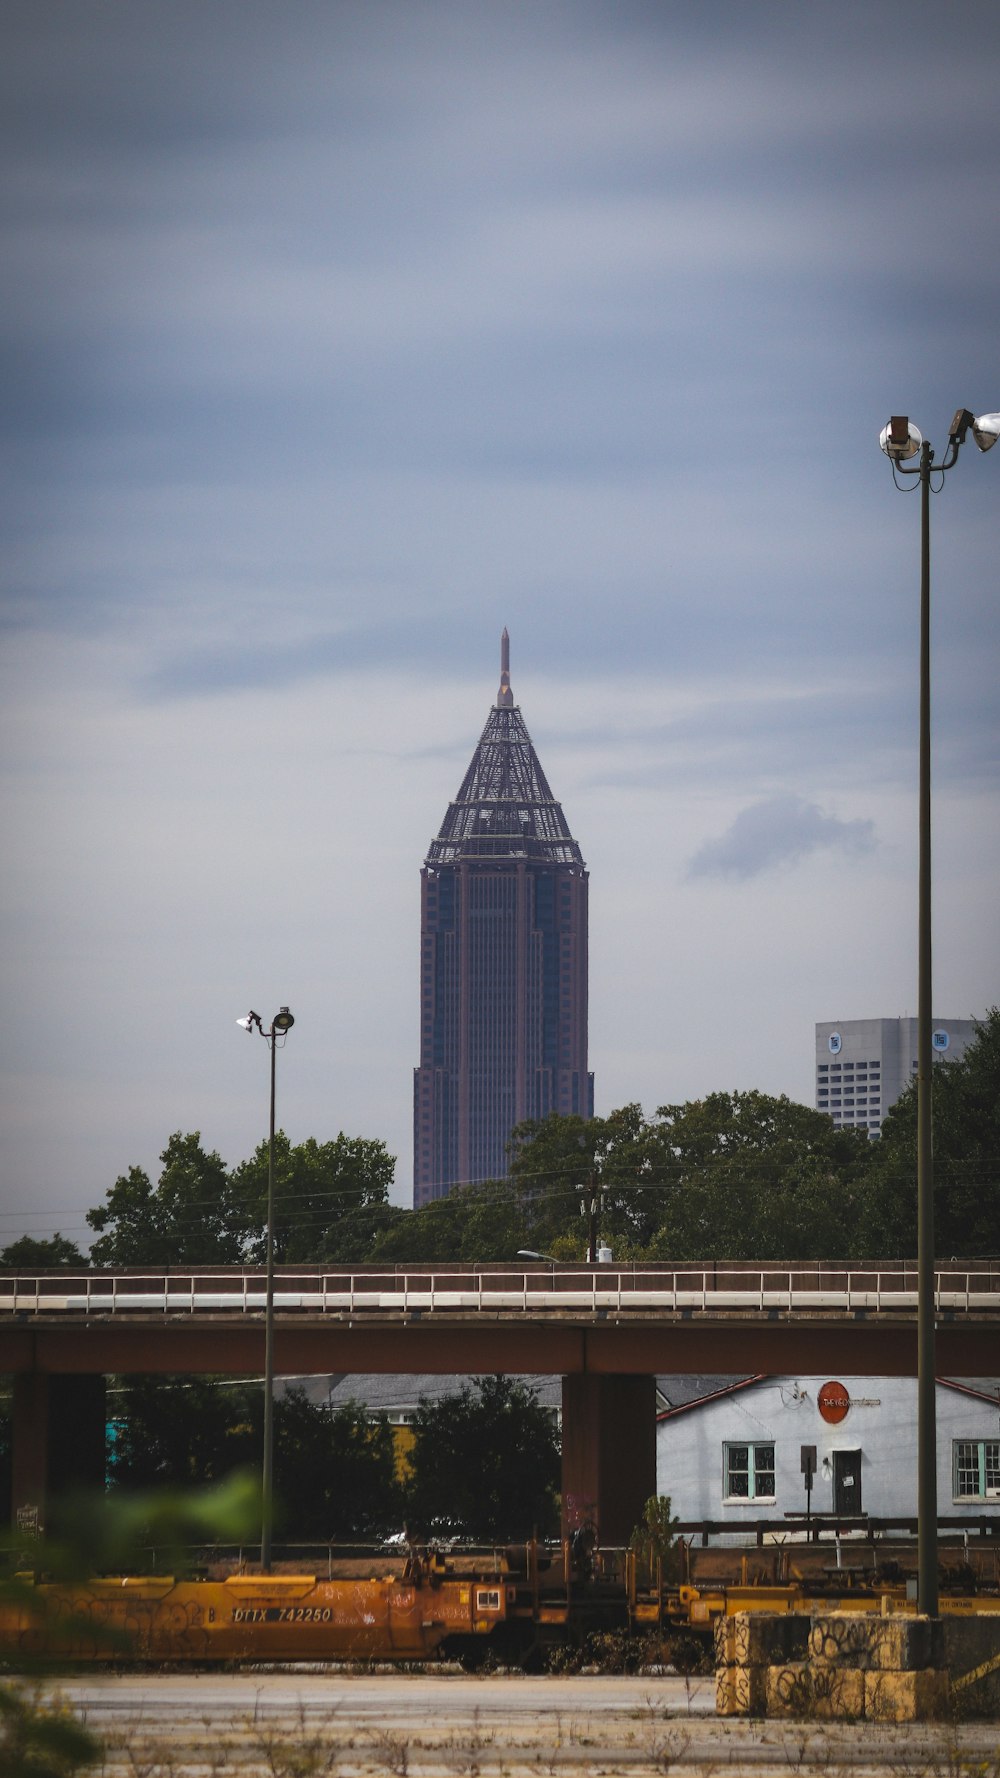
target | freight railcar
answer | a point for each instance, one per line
(515, 1608)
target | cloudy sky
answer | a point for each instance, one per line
(336, 337)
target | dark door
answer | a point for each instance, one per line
(847, 1483)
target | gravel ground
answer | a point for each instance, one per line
(282, 1724)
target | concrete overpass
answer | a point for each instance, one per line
(607, 1330)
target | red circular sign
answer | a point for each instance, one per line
(833, 1402)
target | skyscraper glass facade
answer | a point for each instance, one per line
(503, 963)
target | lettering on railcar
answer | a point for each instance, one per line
(283, 1614)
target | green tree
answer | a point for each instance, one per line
(353, 1239)
(485, 1464)
(334, 1470)
(473, 1224)
(559, 1163)
(316, 1185)
(31, 1254)
(654, 1537)
(180, 1431)
(427, 1236)
(746, 1176)
(39, 1739)
(189, 1218)
(199, 1214)
(965, 1098)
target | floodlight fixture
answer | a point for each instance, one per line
(986, 431)
(899, 439)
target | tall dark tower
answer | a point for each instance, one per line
(503, 963)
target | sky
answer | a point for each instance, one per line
(338, 336)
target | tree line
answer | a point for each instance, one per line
(482, 1463)
(737, 1176)
(733, 1176)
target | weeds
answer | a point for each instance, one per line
(394, 1754)
(40, 1738)
(618, 1652)
(310, 1753)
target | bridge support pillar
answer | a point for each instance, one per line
(58, 1439)
(608, 1452)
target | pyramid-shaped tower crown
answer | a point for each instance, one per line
(504, 807)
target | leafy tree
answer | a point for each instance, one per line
(654, 1537)
(966, 1127)
(201, 1215)
(40, 1739)
(354, 1237)
(179, 1431)
(421, 1237)
(559, 1163)
(334, 1470)
(492, 1227)
(316, 1184)
(30, 1254)
(189, 1218)
(749, 1177)
(485, 1464)
(475, 1223)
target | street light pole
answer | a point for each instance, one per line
(594, 1197)
(927, 1563)
(901, 440)
(281, 1024)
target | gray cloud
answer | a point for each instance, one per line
(336, 337)
(779, 831)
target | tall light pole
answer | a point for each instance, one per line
(901, 441)
(281, 1024)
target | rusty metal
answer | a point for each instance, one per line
(516, 1604)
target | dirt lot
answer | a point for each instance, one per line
(283, 1724)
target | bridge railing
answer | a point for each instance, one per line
(505, 1290)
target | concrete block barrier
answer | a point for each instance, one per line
(804, 1689)
(847, 1665)
(741, 1691)
(760, 1639)
(920, 1696)
(879, 1644)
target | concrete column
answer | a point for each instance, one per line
(29, 1444)
(608, 1452)
(58, 1437)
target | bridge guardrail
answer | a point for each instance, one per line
(426, 1291)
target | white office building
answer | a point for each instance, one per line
(862, 1065)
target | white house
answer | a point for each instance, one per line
(737, 1453)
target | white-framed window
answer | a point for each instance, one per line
(748, 1472)
(976, 1468)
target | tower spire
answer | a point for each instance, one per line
(503, 975)
(505, 697)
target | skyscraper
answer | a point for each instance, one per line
(503, 963)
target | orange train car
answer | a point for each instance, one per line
(421, 1609)
(253, 1617)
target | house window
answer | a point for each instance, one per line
(977, 1468)
(749, 1472)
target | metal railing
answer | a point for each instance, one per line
(506, 1291)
